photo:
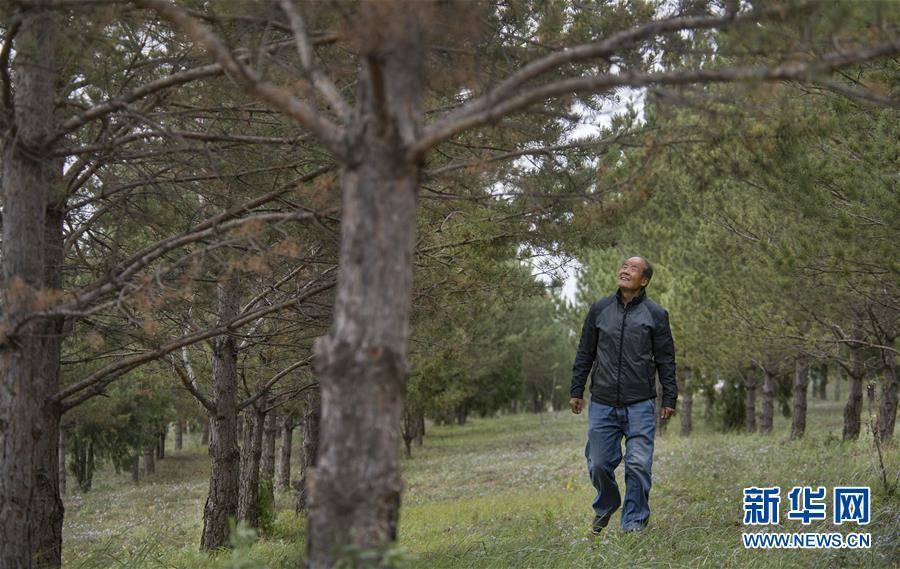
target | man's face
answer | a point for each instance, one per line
(631, 275)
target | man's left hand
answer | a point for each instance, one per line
(666, 412)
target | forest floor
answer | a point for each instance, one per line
(513, 491)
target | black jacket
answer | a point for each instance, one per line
(626, 346)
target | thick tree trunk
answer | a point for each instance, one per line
(887, 408)
(800, 389)
(31, 510)
(750, 382)
(362, 363)
(251, 454)
(283, 481)
(309, 449)
(267, 464)
(222, 498)
(767, 405)
(687, 403)
(179, 434)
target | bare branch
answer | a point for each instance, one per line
(274, 379)
(190, 386)
(792, 71)
(96, 382)
(330, 135)
(319, 79)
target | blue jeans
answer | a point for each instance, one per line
(606, 427)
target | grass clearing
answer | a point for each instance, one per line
(513, 491)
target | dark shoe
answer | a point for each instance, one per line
(599, 523)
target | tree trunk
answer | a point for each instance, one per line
(823, 381)
(687, 403)
(420, 432)
(362, 362)
(750, 382)
(887, 409)
(309, 449)
(853, 408)
(161, 443)
(767, 405)
(870, 396)
(149, 462)
(251, 453)
(267, 464)
(800, 389)
(284, 460)
(204, 437)
(179, 434)
(221, 428)
(31, 510)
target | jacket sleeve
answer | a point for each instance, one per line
(584, 359)
(664, 354)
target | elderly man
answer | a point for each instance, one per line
(627, 340)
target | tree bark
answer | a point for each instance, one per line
(362, 362)
(687, 403)
(161, 443)
(420, 432)
(750, 382)
(856, 373)
(222, 498)
(309, 449)
(251, 453)
(284, 460)
(267, 464)
(800, 389)
(853, 408)
(31, 510)
(767, 405)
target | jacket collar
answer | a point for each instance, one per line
(639, 298)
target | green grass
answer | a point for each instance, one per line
(513, 492)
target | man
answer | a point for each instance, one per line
(627, 340)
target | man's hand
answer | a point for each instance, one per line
(577, 405)
(666, 412)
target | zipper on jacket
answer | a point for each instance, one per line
(619, 371)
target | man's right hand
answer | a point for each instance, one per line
(577, 405)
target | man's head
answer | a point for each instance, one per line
(634, 274)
